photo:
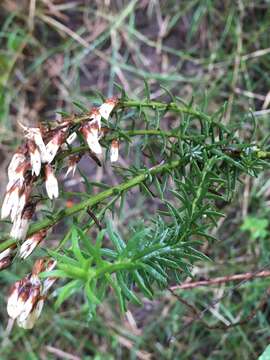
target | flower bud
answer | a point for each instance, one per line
(51, 182)
(114, 151)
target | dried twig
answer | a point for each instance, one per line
(222, 280)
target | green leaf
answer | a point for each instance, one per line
(66, 291)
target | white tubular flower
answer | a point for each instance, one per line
(114, 151)
(51, 182)
(29, 321)
(21, 223)
(35, 158)
(17, 159)
(54, 144)
(90, 133)
(30, 302)
(13, 305)
(23, 297)
(19, 228)
(18, 175)
(106, 108)
(34, 134)
(31, 243)
(10, 203)
(24, 194)
(27, 296)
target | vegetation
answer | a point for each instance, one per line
(186, 201)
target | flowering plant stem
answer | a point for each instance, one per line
(94, 200)
(118, 189)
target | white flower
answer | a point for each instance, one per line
(18, 175)
(106, 108)
(17, 159)
(51, 182)
(21, 224)
(29, 321)
(35, 157)
(54, 144)
(114, 151)
(19, 228)
(28, 312)
(14, 305)
(34, 134)
(29, 245)
(10, 203)
(23, 297)
(90, 133)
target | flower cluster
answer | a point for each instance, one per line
(34, 160)
(27, 296)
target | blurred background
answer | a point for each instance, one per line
(53, 53)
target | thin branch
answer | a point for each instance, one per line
(96, 199)
(221, 280)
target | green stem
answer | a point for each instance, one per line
(110, 268)
(96, 199)
(172, 106)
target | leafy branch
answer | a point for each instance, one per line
(198, 164)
